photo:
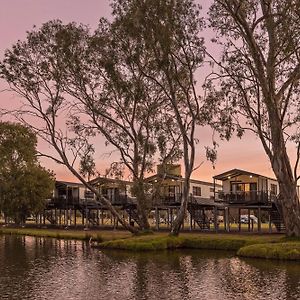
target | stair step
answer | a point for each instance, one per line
(198, 216)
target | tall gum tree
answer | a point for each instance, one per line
(65, 72)
(169, 31)
(35, 70)
(258, 82)
(112, 94)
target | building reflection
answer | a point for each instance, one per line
(40, 268)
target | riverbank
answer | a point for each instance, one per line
(84, 235)
(269, 246)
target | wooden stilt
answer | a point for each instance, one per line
(259, 220)
(55, 216)
(249, 228)
(216, 219)
(156, 218)
(270, 222)
(227, 223)
(239, 216)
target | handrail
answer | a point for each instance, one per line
(246, 196)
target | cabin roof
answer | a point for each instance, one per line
(103, 180)
(67, 183)
(180, 179)
(237, 172)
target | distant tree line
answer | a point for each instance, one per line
(24, 184)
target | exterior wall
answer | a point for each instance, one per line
(82, 192)
(273, 182)
(242, 179)
(263, 184)
(174, 170)
(207, 191)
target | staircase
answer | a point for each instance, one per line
(133, 215)
(276, 218)
(93, 218)
(50, 218)
(198, 215)
(89, 215)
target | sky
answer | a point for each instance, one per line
(19, 16)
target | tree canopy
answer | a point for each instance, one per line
(25, 184)
(258, 82)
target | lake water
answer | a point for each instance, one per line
(42, 268)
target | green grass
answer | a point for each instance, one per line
(285, 251)
(246, 245)
(186, 241)
(98, 236)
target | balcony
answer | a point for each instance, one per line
(247, 198)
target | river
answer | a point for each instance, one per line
(43, 268)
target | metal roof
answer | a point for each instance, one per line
(102, 180)
(237, 172)
(67, 183)
(180, 179)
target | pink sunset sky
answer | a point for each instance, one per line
(19, 16)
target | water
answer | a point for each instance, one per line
(41, 268)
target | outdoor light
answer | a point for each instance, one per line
(250, 176)
(229, 177)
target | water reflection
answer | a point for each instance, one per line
(39, 268)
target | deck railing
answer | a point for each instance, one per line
(249, 197)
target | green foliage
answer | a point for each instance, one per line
(257, 85)
(25, 185)
(218, 242)
(285, 251)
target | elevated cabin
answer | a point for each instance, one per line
(116, 190)
(243, 187)
(169, 183)
(70, 194)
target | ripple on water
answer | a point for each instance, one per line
(40, 268)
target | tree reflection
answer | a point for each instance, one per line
(39, 268)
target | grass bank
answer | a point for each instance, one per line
(283, 251)
(94, 235)
(246, 245)
(267, 246)
(187, 241)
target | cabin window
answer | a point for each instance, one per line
(196, 190)
(243, 187)
(171, 191)
(273, 189)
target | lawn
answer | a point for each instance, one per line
(244, 244)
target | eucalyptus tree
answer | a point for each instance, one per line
(75, 86)
(115, 98)
(258, 83)
(169, 32)
(24, 184)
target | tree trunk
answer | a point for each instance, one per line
(142, 205)
(183, 208)
(288, 199)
